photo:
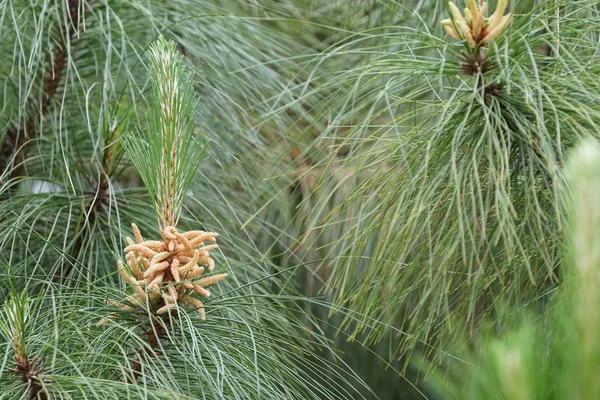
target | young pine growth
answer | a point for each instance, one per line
(478, 31)
(14, 319)
(166, 153)
(474, 26)
(167, 150)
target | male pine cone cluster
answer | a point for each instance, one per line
(474, 27)
(167, 269)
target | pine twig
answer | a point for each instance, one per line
(28, 370)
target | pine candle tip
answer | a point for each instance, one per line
(474, 27)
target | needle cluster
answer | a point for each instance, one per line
(14, 319)
(167, 149)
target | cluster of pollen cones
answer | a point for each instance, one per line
(168, 269)
(474, 27)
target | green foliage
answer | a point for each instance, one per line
(231, 356)
(556, 356)
(14, 322)
(453, 179)
(68, 195)
(167, 151)
(349, 157)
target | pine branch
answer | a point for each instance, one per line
(97, 204)
(29, 371)
(19, 135)
(168, 152)
(14, 319)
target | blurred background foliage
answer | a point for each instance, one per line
(376, 206)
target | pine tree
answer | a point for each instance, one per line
(288, 198)
(452, 128)
(75, 88)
